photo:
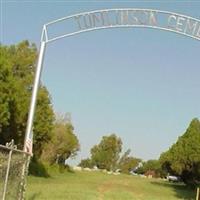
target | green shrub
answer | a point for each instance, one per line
(37, 168)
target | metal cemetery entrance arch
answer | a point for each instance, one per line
(103, 19)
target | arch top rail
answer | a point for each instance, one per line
(118, 18)
(119, 9)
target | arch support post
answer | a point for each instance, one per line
(29, 129)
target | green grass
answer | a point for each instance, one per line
(100, 186)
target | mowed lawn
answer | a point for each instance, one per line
(101, 186)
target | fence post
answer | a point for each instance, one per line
(21, 195)
(8, 170)
(198, 191)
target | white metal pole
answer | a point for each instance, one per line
(29, 134)
(198, 194)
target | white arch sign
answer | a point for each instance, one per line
(103, 19)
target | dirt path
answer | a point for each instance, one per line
(104, 187)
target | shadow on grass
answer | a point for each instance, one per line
(181, 190)
(37, 168)
(34, 196)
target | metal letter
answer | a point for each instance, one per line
(145, 15)
(198, 32)
(105, 18)
(102, 18)
(77, 18)
(133, 18)
(87, 21)
(124, 17)
(152, 18)
(118, 17)
(121, 17)
(171, 17)
(95, 19)
(179, 23)
(190, 27)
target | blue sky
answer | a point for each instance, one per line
(141, 84)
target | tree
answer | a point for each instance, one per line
(5, 83)
(17, 67)
(128, 163)
(63, 145)
(153, 166)
(86, 163)
(106, 154)
(44, 121)
(183, 158)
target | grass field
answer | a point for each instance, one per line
(100, 186)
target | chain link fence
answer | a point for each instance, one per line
(13, 171)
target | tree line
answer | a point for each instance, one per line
(108, 155)
(54, 137)
(182, 159)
